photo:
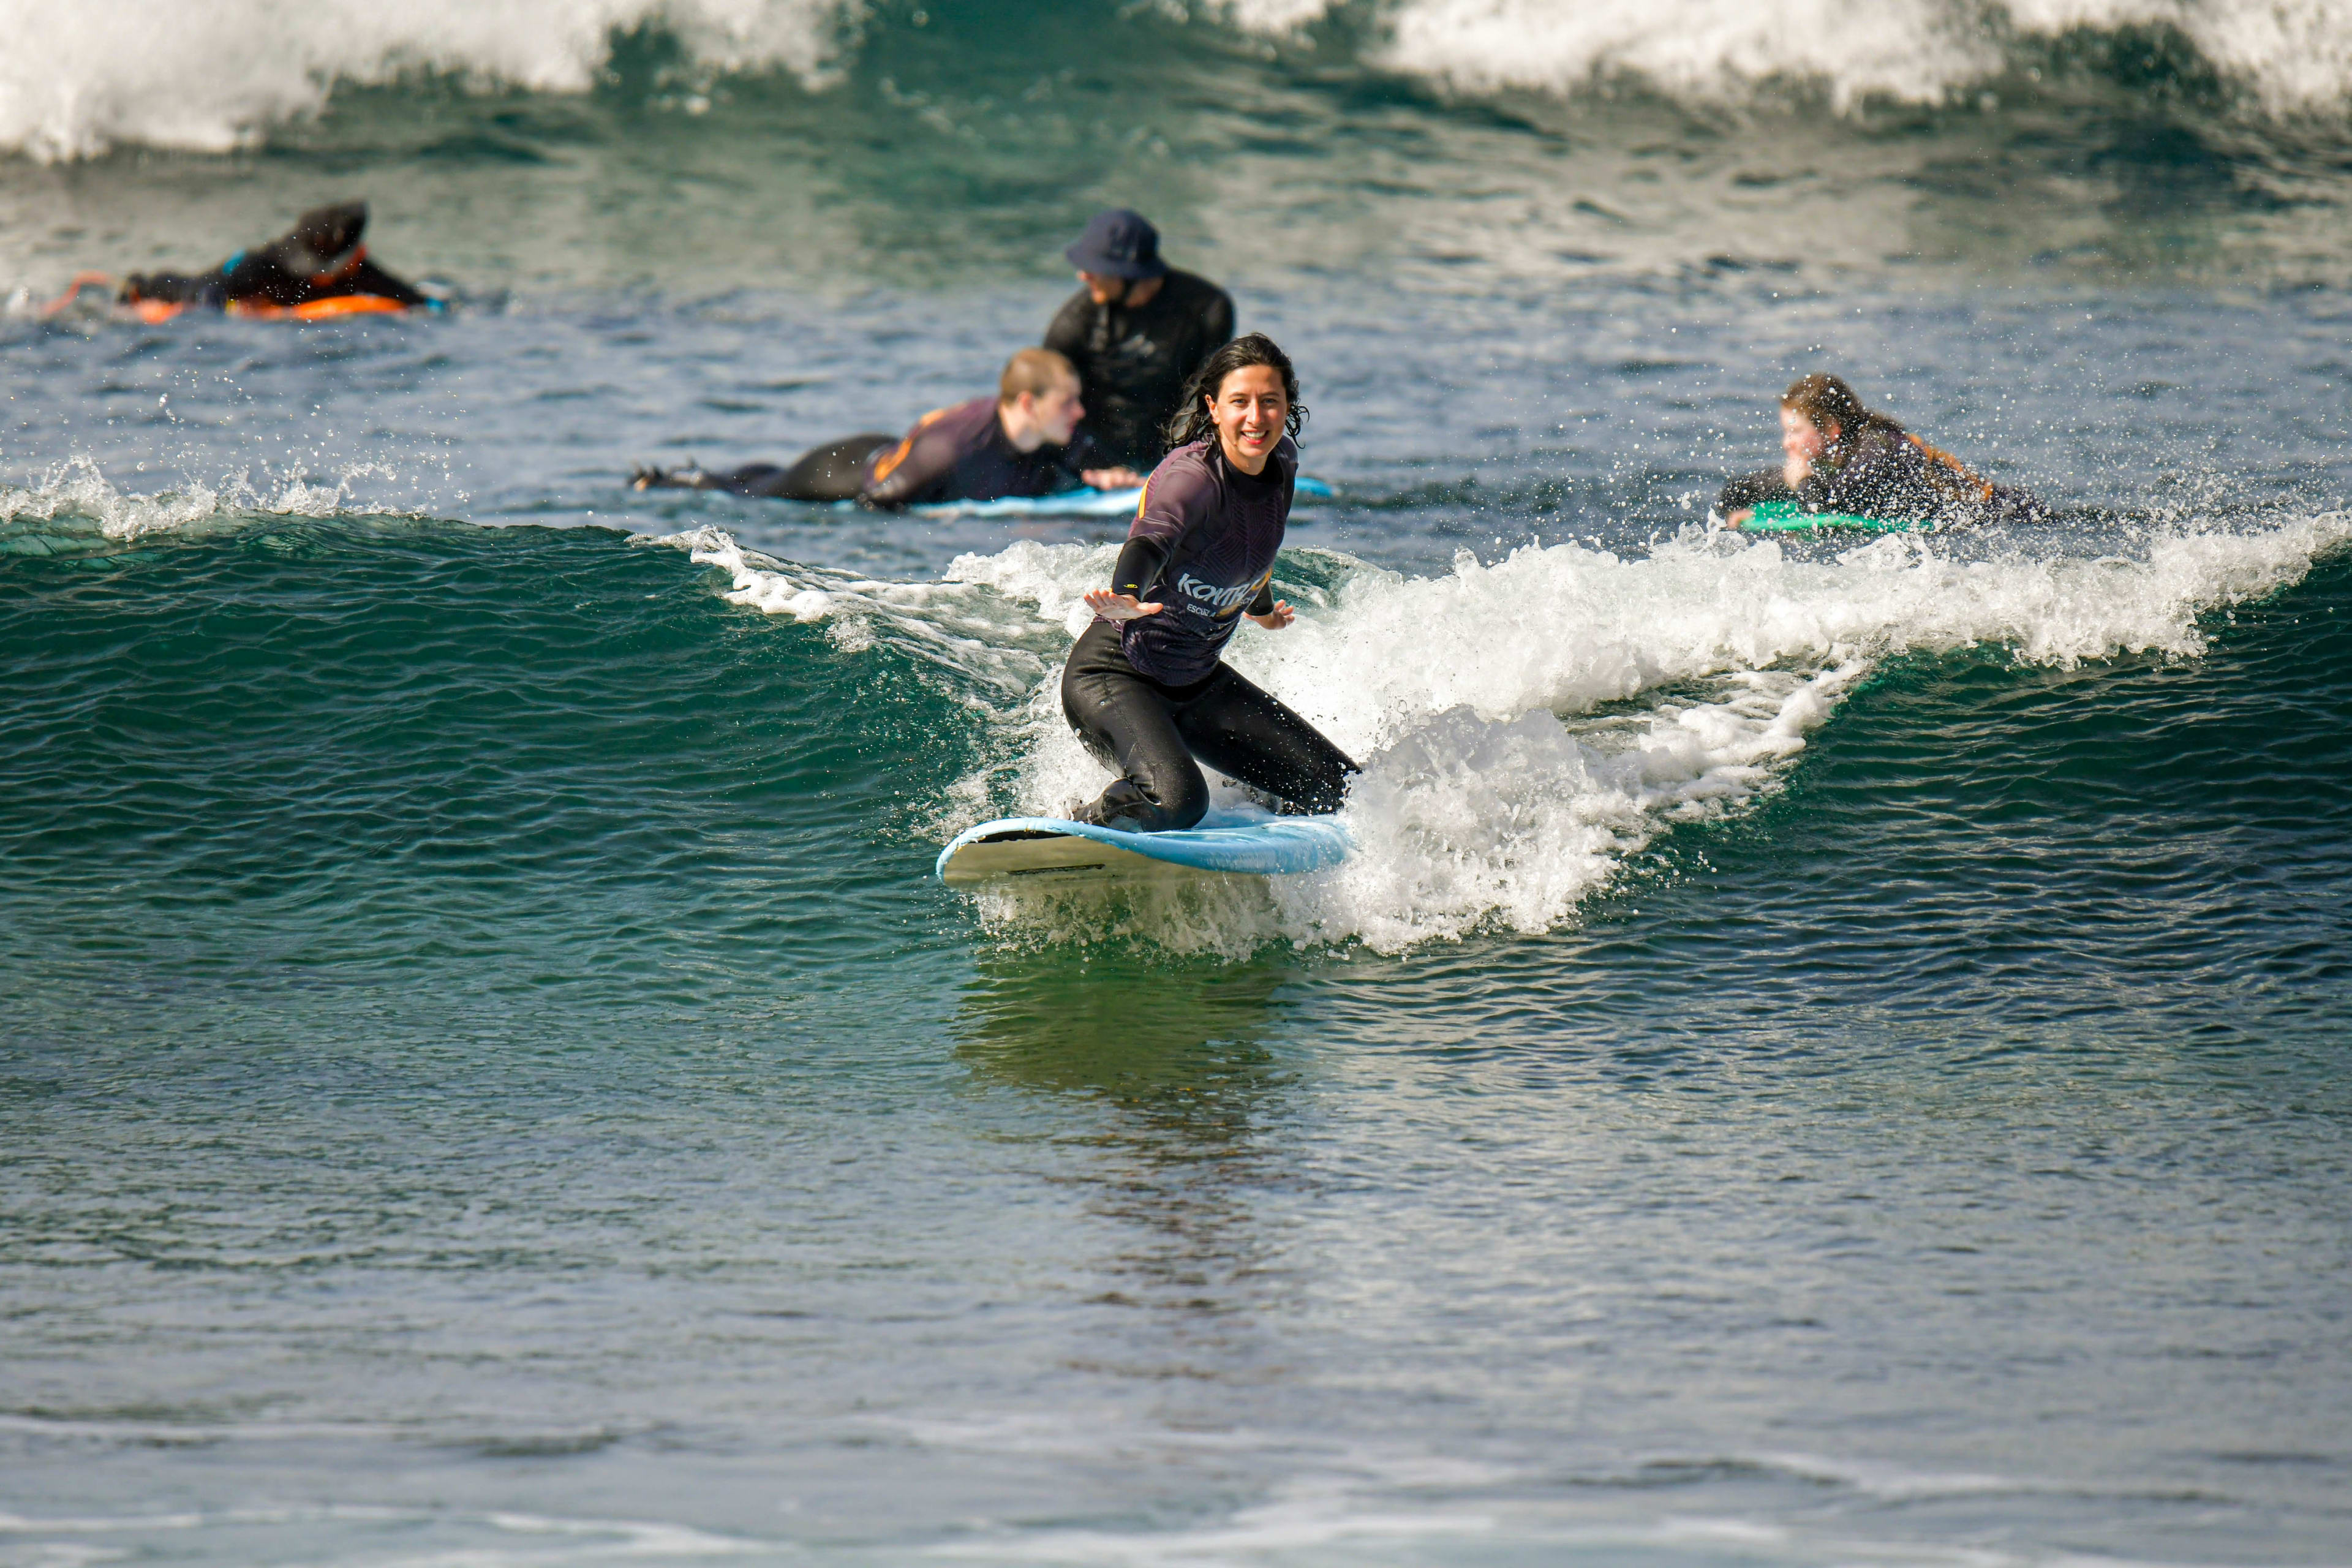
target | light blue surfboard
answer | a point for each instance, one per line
(1251, 844)
(1079, 504)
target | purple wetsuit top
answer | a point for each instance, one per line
(960, 453)
(1221, 529)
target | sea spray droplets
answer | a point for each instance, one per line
(76, 496)
(971, 634)
(1466, 822)
(1505, 779)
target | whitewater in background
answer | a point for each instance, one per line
(75, 86)
(1831, 1050)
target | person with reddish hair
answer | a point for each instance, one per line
(1839, 457)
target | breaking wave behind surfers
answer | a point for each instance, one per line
(76, 84)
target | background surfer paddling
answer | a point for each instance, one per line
(1022, 442)
(323, 258)
(1144, 688)
(1841, 457)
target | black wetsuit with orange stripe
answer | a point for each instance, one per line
(1884, 471)
(962, 453)
(953, 454)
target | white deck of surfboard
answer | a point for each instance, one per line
(1234, 842)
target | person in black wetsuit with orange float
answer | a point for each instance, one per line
(1145, 687)
(1841, 457)
(1019, 443)
(319, 268)
(1139, 331)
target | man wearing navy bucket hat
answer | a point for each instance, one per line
(1137, 331)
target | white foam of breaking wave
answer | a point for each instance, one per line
(474, 1541)
(76, 79)
(2293, 56)
(77, 492)
(1528, 726)
(984, 642)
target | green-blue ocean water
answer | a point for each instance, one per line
(1832, 1052)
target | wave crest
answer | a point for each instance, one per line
(72, 85)
(73, 82)
(1528, 726)
(2291, 57)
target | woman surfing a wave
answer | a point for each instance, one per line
(1145, 687)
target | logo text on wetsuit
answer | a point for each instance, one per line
(1224, 601)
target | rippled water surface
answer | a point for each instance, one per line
(1829, 1052)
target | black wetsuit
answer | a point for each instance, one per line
(262, 277)
(1134, 362)
(1149, 695)
(1881, 471)
(959, 453)
(834, 472)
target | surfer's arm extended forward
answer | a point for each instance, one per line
(1139, 562)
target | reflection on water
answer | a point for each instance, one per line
(1187, 1066)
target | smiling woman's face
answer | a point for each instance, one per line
(1249, 411)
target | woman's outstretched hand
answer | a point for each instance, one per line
(1113, 606)
(1282, 616)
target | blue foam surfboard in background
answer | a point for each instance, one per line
(1242, 843)
(1079, 504)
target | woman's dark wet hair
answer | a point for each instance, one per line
(1192, 423)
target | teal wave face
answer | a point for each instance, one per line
(392, 756)
(384, 747)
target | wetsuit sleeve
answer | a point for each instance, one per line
(1884, 476)
(176, 288)
(1216, 329)
(902, 474)
(1070, 462)
(1177, 495)
(1263, 604)
(1065, 334)
(1753, 489)
(259, 275)
(1213, 329)
(1139, 565)
(370, 279)
(2011, 504)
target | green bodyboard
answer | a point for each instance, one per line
(1791, 517)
